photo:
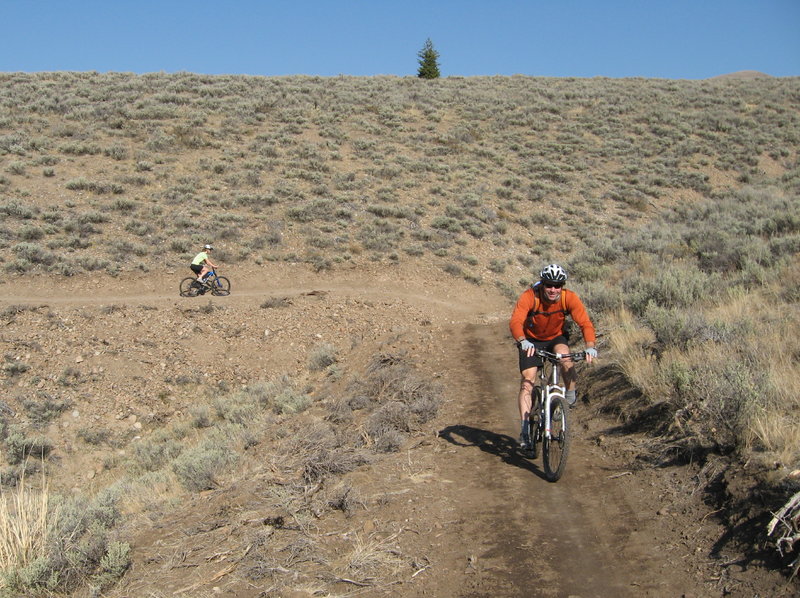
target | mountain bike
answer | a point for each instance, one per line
(548, 417)
(212, 282)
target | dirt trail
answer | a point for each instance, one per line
(546, 539)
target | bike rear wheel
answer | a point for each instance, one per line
(221, 286)
(556, 448)
(188, 288)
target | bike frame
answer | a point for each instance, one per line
(212, 279)
(549, 377)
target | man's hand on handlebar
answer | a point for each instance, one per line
(527, 346)
(591, 354)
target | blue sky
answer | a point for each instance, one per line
(673, 39)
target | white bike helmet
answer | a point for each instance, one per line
(553, 273)
(207, 247)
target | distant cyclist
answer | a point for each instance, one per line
(202, 264)
(538, 323)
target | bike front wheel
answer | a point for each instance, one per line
(221, 286)
(556, 447)
(187, 287)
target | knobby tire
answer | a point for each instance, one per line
(221, 287)
(556, 448)
(187, 288)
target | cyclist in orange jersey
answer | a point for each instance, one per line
(538, 323)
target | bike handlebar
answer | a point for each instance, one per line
(577, 356)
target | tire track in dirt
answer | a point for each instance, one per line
(381, 293)
(569, 538)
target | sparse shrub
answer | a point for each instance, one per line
(289, 401)
(46, 408)
(116, 152)
(155, 452)
(19, 446)
(93, 435)
(92, 264)
(319, 262)
(70, 376)
(321, 454)
(33, 253)
(497, 266)
(16, 168)
(14, 367)
(321, 357)
(389, 379)
(201, 416)
(276, 302)
(394, 416)
(344, 498)
(80, 149)
(678, 285)
(340, 412)
(198, 468)
(674, 327)
(113, 565)
(15, 209)
(238, 408)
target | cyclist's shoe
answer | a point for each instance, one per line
(573, 402)
(525, 441)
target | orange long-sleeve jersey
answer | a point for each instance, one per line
(547, 322)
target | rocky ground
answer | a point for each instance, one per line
(456, 511)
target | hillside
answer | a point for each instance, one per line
(343, 422)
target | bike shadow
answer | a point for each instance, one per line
(499, 445)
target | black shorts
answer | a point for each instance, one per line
(526, 362)
(196, 268)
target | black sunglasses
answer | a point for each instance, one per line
(552, 285)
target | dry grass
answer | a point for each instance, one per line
(775, 420)
(631, 343)
(370, 556)
(26, 526)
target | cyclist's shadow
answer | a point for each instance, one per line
(500, 445)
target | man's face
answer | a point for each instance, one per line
(552, 290)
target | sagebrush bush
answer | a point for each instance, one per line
(322, 356)
(19, 445)
(199, 468)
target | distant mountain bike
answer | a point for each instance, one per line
(212, 283)
(549, 422)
